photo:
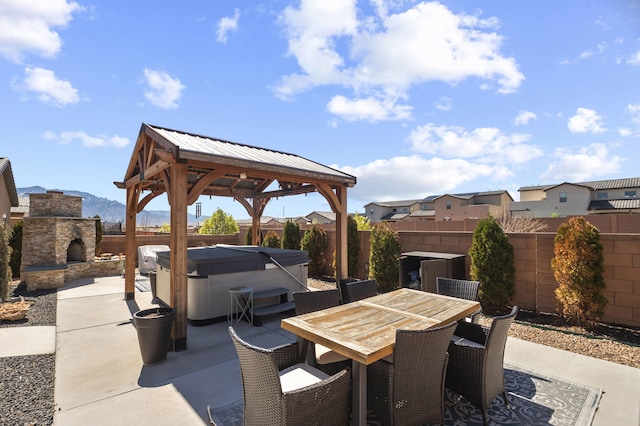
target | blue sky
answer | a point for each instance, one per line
(412, 98)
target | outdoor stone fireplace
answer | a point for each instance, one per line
(58, 244)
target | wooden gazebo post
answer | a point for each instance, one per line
(178, 256)
(133, 193)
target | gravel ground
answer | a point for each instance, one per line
(27, 382)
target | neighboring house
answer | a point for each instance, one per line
(578, 199)
(473, 205)
(390, 211)
(8, 192)
(265, 222)
(321, 218)
(20, 212)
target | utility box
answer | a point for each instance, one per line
(419, 269)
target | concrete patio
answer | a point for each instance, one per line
(100, 378)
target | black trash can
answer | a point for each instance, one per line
(154, 333)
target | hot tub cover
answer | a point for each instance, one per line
(226, 259)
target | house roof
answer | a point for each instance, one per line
(467, 195)
(402, 203)
(394, 216)
(620, 204)
(423, 213)
(327, 215)
(5, 170)
(596, 185)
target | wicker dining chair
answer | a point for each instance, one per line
(462, 289)
(410, 390)
(278, 390)
(362, 289)
(315, 354)
(476, 361)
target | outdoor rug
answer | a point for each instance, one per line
(534, 399)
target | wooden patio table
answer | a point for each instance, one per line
(365, 330)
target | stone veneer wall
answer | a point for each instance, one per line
(54, 204)
(46, 239)
(55, 278)
(55, 220)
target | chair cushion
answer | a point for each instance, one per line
(300, 375)
(457, 340)
(325, 355)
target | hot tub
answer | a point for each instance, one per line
(212, 271)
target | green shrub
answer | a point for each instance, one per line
(578, 267)
(384, 253)
(219, 223)
(5, 269)
(99, 232)
(271, 240)
(15, 241)
(291, 236)
(247, 237)
(492, 263)
(353, 248)
(315, 242)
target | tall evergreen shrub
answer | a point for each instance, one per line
(99, 233)
(315, 242)
(353, 246)
(578, 268)
(383, 259)
(291, 236)
(15, 241)
(492, 263)
(5, 269)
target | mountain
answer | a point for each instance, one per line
(109, 210)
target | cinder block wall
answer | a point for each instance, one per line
(535, 283)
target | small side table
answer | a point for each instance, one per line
(240, 305)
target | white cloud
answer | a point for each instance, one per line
(28, 26)
(382, 56)
(583, 164)
(600, 48)
(487, 144)
(624, 132)
(387, 179)
(585, 121)
(371, 109)
(634, 110)
(162, 90)
(66, 138)
(444, 104)
(47, 87)
(634, 59)
(524, 117)
(226, 25)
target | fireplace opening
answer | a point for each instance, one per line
(75, 252)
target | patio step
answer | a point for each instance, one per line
(269, 302)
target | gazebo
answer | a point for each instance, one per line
(187, 165)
